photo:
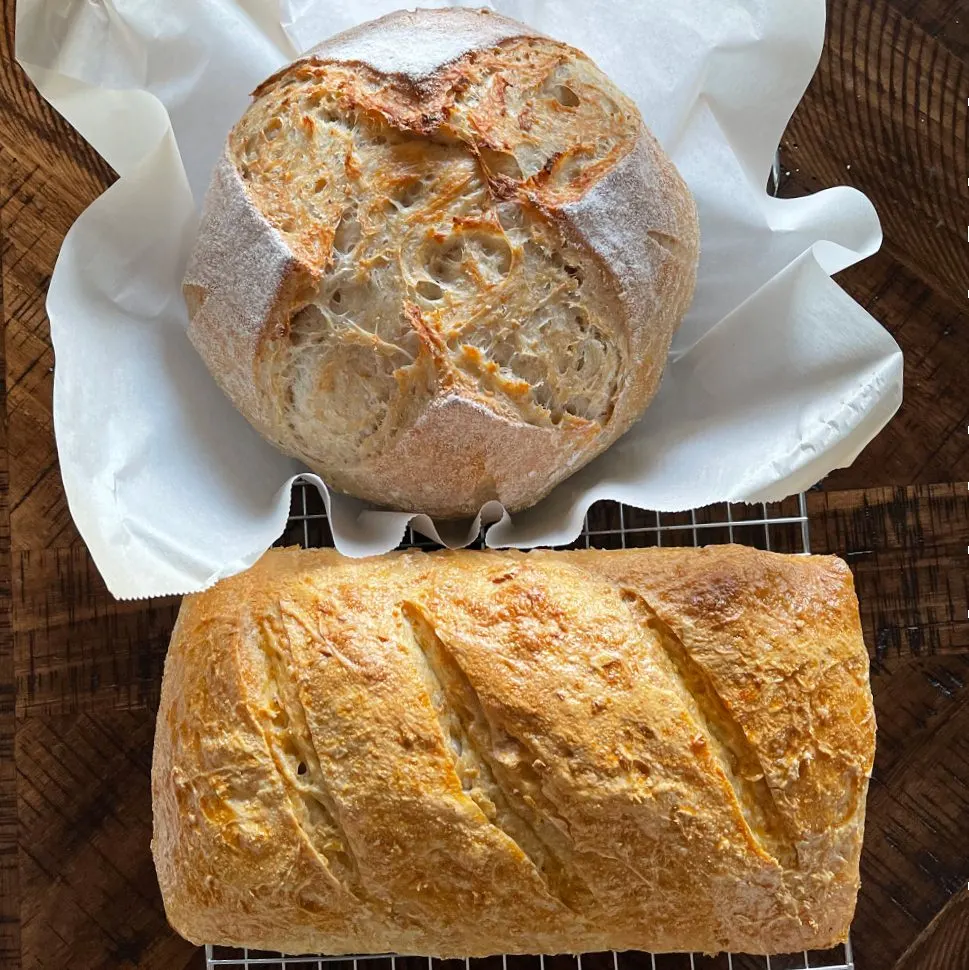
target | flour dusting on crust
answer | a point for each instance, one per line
(414, 45)
(234, 279)
(641, 222)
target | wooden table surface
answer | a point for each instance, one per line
(79, 672)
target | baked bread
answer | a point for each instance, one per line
(441, 261)
(466, 753)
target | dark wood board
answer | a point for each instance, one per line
(945, 941)
(9, 851)
(79, 672)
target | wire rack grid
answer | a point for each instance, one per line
(838, 959)
(781, 527)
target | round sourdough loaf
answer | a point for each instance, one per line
(441, 262)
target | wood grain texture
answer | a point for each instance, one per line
(76, 647)
(945, 941)
(90, 898)
(907, 548)
(918, 806)
(79, 673)
(33, 222)
(80, 890)
(9, 855)
(50, 174)
(887, 113)
(926, 441)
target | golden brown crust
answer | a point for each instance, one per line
(469, 753)
(467, 212)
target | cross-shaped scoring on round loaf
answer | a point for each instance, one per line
(450, 314)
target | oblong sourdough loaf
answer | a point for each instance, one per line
(470, 753)
(441, 262)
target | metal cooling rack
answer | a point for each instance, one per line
(781, 527)
(838, 959)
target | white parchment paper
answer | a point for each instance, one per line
(776, 376)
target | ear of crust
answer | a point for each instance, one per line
(241, 283)
(640, 220)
